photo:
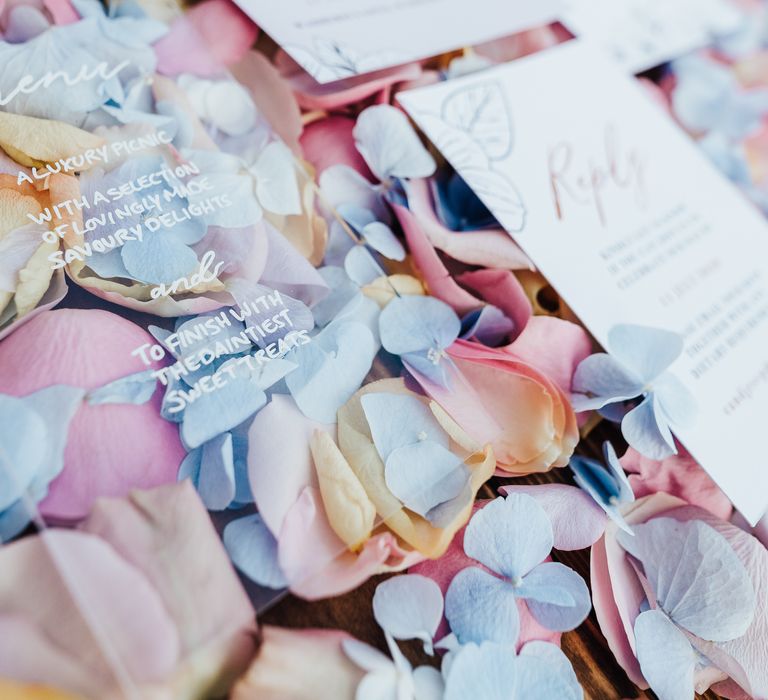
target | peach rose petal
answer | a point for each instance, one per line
(534, 425)
(357, 447)
(25, 691)
(553, 346)
(324, 673)
(319, 565)
(167, 534)
(39, 575)
(680, 476)
(111, 448)
(31, 141)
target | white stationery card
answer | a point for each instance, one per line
(336, 39)
(641, 34)
(630, 223)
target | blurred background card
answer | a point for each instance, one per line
(336, 39)
(641, 34)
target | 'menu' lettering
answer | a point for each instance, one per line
(588, 182)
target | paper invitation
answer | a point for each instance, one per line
(630, 223)
(641, 34)
(335, 39)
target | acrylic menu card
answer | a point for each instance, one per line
(630, 223)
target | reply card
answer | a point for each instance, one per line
(630, 223)
(335, 39)
(641, 34)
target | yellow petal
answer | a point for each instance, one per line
(34, 279)
(357, 446)
(350, 512)
(22, 691)
(382, 289)
(33, 142)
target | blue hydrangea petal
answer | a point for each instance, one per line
(134, 389)
(646, 352)
(488, 671)
(158, 259)
(487, 325)
(23, 448)
(480, 607)
(416, 323)
(645, 430)
(253, 550)
(510, 535)
(605, 377)
(553, 581)
(361, 267)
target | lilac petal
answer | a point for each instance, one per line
(697, 577)
(409, 607)
(510, 535)
(253, 550)
(24, 23)
(158, 259)
(488, 325)
(415, 323)
(676, 402)
(643, 430)
(343, 290)
(607, 379)
(134, 389)
(397, 420)
(480, 607)
(424, 475)
(555, 581)
(389, 144)
(220, 410)
(666, 657)
(341, 185)
(380, 237)
(361, 267)
(644, 351)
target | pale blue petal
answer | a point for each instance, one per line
(361, 267)
(626, 495)
(158, 259)
(216, 480)
(666, 657)
(644, 429)
(434, 365)
(603, 486)
(480, 607)
(134, 389)
(253, 550)
(415, 323)
(427, 683)
(607, 379)
(397, 420)
(343, 290)
(221, 410)
(510, 535)
(330, 369)
(698, 579)
(13, 520)
(676, 402)
(239, 434)
(380, 237)
(646, 352)
(553, 581)
(425, 474)
(487, 672)
(544, 673)
(244, 209)
(409, 607)
(22, 449)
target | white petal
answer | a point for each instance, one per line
(409, 607)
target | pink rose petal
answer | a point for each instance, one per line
(111, 448)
